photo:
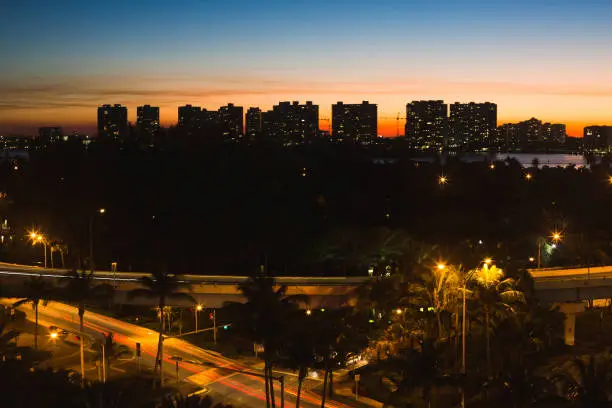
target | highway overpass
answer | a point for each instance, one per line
(573, 284)
(570, 288)
(567, 287)
(208, 290)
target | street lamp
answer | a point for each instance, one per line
(441, 266)
(198, 310)
(38, 238)
(91, 225)
(442, 180)
(555, 236)
(528, 176)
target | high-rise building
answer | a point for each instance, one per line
(427, 124)
(472, 126)
(358, 122)
(291, 122)
(231, 121)
(113, 121)
(526, 134)
(189, 118)
(598, 138)
(253, 123)
(554, 132)
(147, 120)
(50, 134)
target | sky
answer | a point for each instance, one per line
(60, 59)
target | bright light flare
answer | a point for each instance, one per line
(488, 261)
(528, 176)
(442, 180)
(556, 236)
(441, 266)
(199, 308)
(53, 335)
(308, 312)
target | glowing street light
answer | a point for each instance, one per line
(556, 236)
(198, 309)
(528, 176)
(53, 335)
(398, 311)
(609, 179)
(442, 180)
(441, 266)
(488, 261)
(38, 238)
(308, 312)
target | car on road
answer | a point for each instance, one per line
(59, 332)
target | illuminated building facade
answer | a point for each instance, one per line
(113, 121)
(472, 126)
(357, 122)
(427, 124)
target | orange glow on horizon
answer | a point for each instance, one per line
(83, 118)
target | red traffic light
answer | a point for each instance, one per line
(210, 316)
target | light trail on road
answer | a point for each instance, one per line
(241, 390)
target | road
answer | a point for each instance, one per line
(240, 390)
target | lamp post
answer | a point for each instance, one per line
(38, 238)
(91, 225)
(198, 309)
(555, 236)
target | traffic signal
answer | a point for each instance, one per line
(225, 326)
(210, 316)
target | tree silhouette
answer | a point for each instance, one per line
(38, 290)
(162, 287)
(81, 289)
(263, 319)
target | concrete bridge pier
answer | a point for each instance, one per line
(570, 310)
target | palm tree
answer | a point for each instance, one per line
(80, 289)
(163, 287)
(438, 287)
(411, 370)
(58, 247)
(298, 353)
(340, 335)
(494, 291)
(263, 319)
(109, 351)
(37, 290)
(587, 383)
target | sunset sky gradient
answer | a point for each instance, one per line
(61, 59)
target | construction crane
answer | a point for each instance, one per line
(397, 122)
